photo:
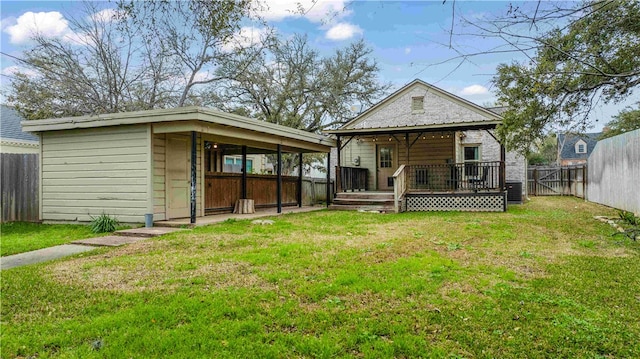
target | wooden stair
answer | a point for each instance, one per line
(363, 201)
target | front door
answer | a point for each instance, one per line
(386, 166)
(178, 184)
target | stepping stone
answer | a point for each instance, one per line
(147, 232)
(109, 241)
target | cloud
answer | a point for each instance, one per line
(12, 70)
(474, 90)
(48, 24)
(313, 10)
(407, 50)
(105, 15)
(246, 37)
(342, 31)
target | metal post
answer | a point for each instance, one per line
(194, 176)
(279, 173)
(329, 177)
(244, 172)
(300, 173)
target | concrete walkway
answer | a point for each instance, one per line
(42, 255)
(84, 245)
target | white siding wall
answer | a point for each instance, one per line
(93, 171)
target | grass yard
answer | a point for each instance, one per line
(19, 237)
(544, 280)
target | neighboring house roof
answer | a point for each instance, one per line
(567, 145)
(10, 128)
(442, 110)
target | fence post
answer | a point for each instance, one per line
(535, 181)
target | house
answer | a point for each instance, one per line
(423, 148)
(574, 149)
(162, 164)
(12, 139)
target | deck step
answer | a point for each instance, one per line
(364, 201)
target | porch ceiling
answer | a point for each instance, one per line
(485, 125)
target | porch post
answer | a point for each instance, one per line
(329, 175)
(338, 179)
(406, 135)
(194, 169)
(244, 172)
(503, 158)
(279, 174)
(300, 180)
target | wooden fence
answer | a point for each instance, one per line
(19, 187)
(223, 189)
(614, 172)
(557, 181)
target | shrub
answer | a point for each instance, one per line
(104, 223)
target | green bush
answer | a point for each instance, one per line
(104, 223)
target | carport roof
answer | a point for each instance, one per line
(234, 128)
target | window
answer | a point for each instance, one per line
(234, 164)
(385, 157)
(417, 104)
(581, 147)
(471, 159)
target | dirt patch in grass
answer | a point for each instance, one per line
(151, 270)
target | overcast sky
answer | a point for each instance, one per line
(410, 39)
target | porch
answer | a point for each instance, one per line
(477, 186)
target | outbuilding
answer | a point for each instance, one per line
(161, 164)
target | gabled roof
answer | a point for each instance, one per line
(10, 128)
(568, 142)
(482, 117)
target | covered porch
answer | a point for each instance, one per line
(454, 167)
(220, 163)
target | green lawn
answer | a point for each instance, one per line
(19, 237)
(544, 280)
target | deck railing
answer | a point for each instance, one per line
(456, 177)
(352, 178)
(399, 187)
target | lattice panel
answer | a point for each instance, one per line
(466, 203)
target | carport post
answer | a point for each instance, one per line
(194, 159)
(244, 172)
(300, 180)
(329, 177)
(279, 173)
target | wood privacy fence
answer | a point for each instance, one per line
(19, 187)
(557, 181)
(614, 172)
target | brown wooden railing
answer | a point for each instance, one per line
(456, 177)
(352, 178)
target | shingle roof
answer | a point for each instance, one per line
(10, 126)
(568, 147)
